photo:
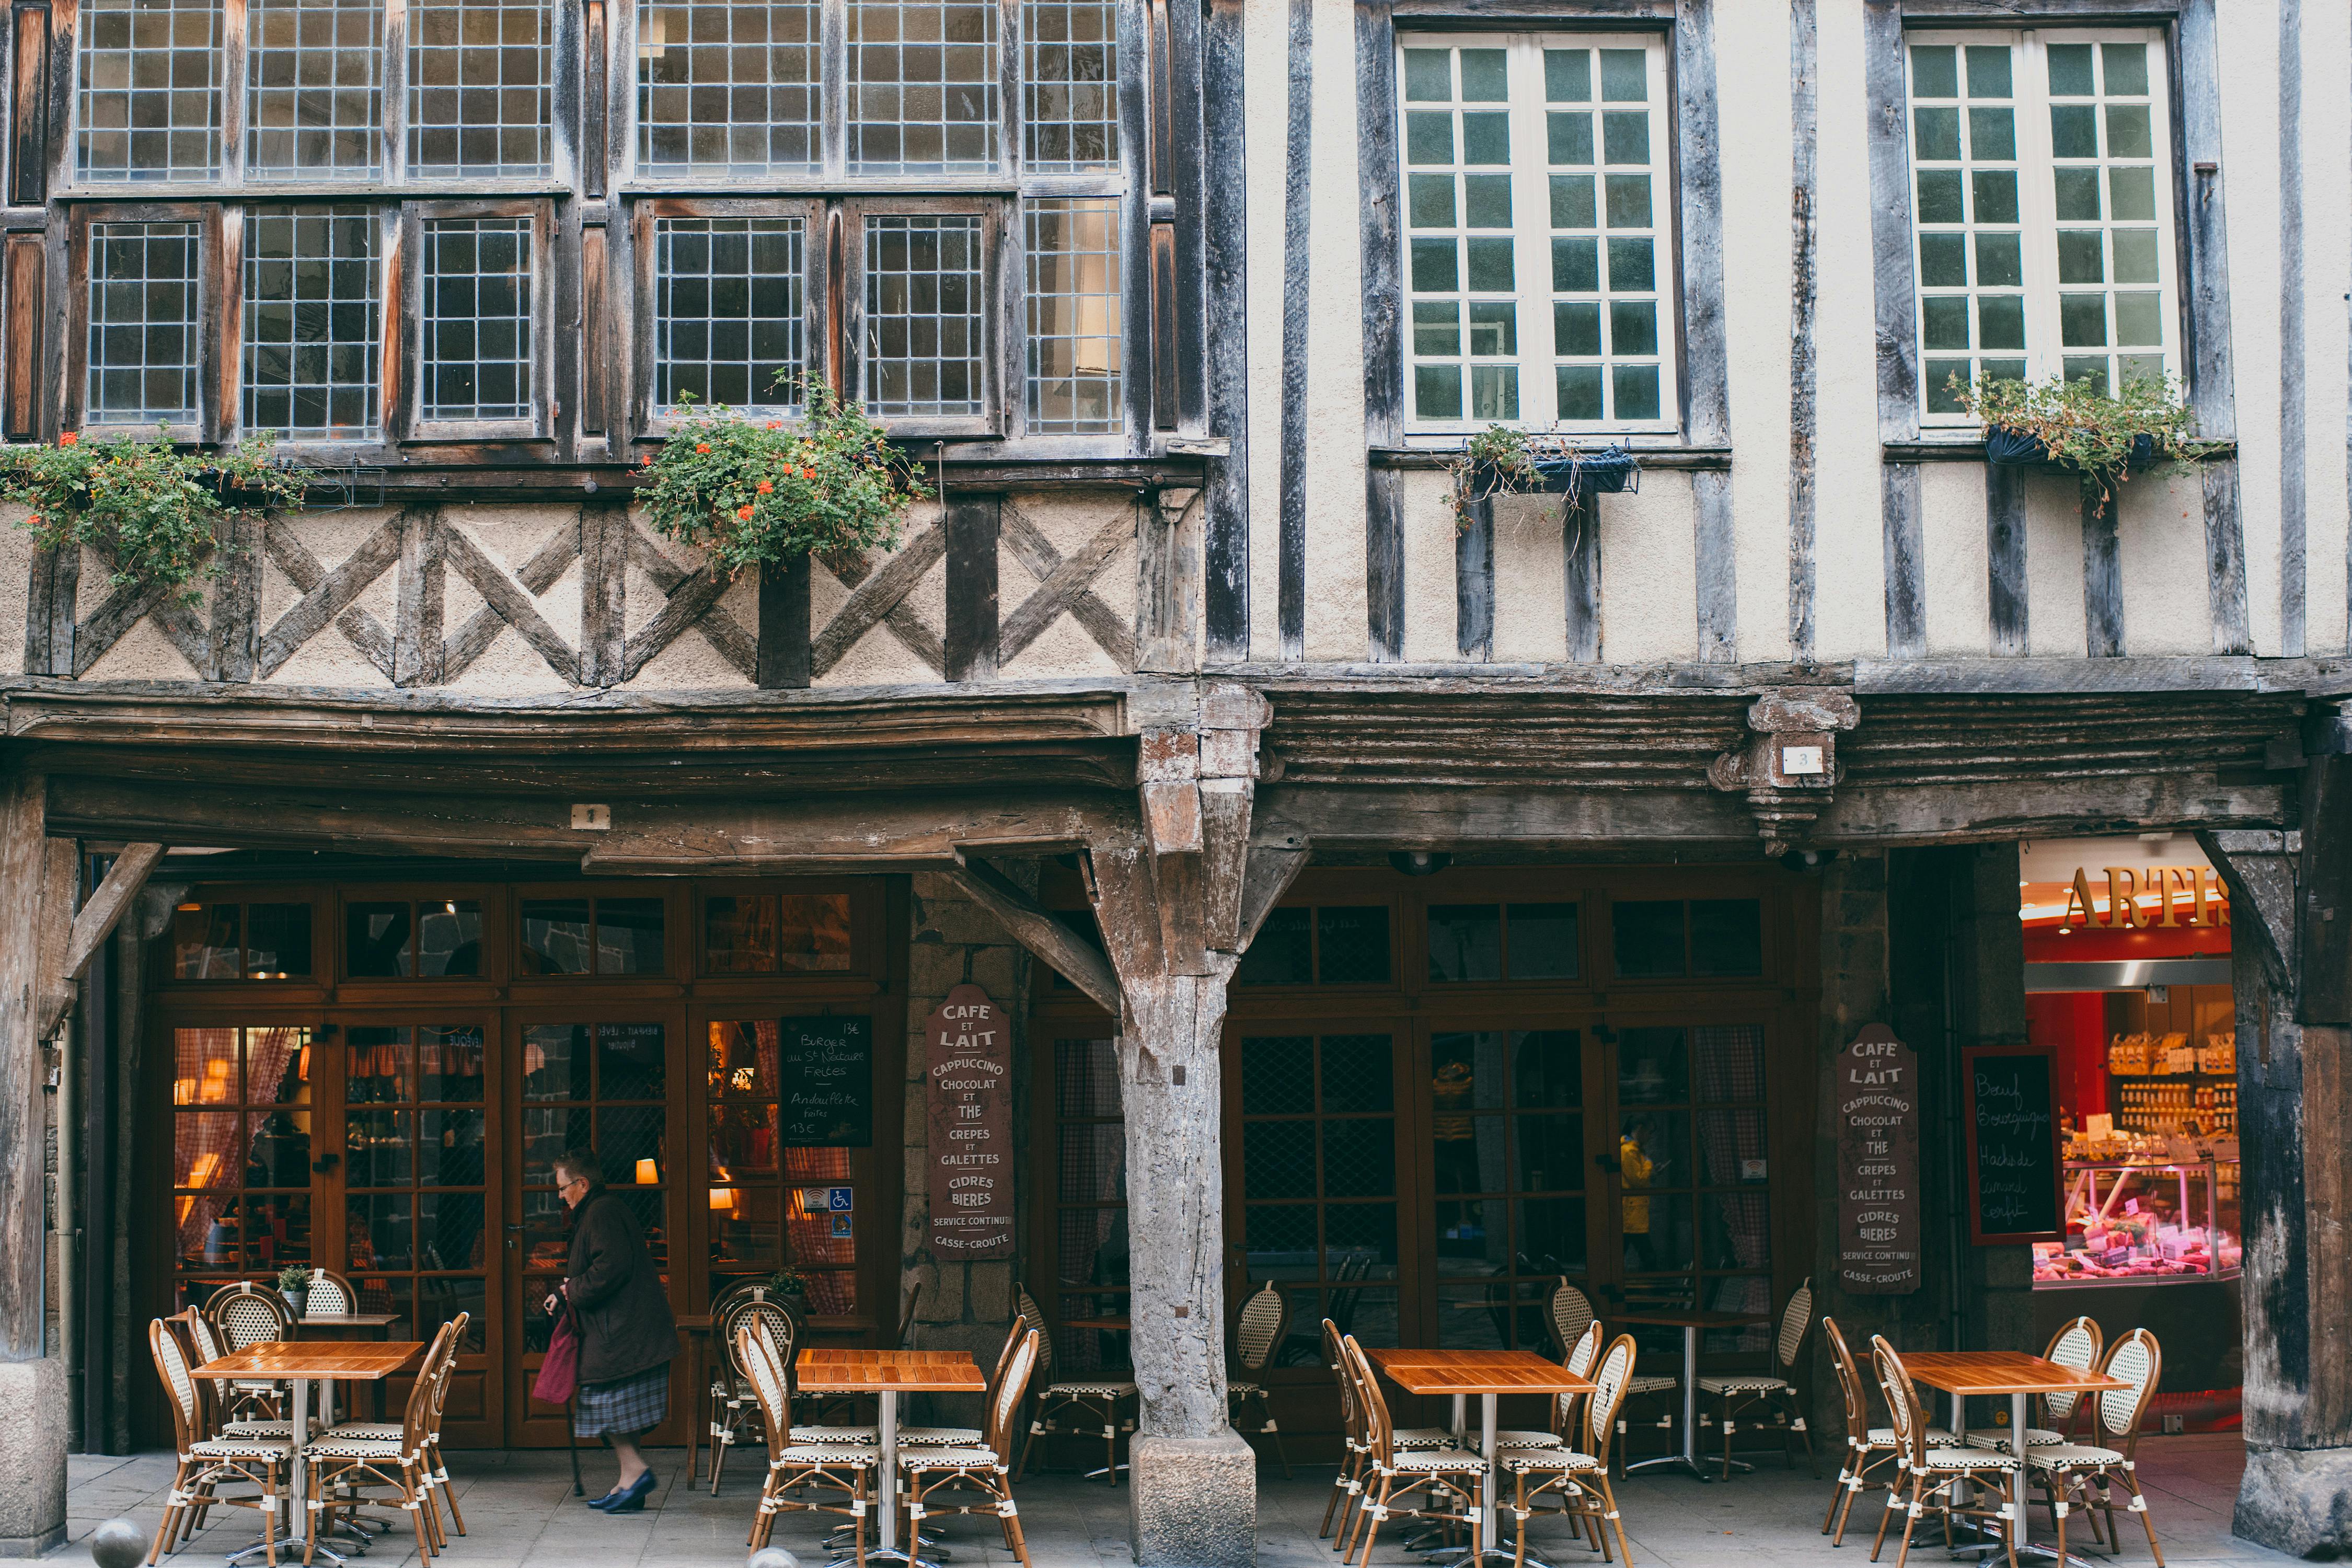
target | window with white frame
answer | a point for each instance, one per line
(1537, 232)
(144, 283)
(148, 103)
(2041, 201)
(477, 356)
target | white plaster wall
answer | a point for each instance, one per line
(1751, 52)
(1850, 583)
(2055, 628)
(879, 658)
(1530, 580)
(1431, 604)
(2327, 318)
(2160, 529)
(1955, 555)
(1336, 602)
(1649, 572)
(16, 588)
(2247, 33)
(1267, 152)
(1069, 523)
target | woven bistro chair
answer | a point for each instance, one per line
(207, 1459)
(343, 1465)
(1868, 1448)
(1347, 1482)
(967, 1437)
(248, 1314)
(2069, 1472)
(1091, 1403)
(1927, 1476)
(1569, 1314)
(975, 1480)
(1451, 1481)
(905, 1340)
(734, 1404)
(1777, 1395)
(438, 1491)
(1258, 1332)
(796, 1467)
(2077, 1344)
(331, 1296)
(1576, 1474)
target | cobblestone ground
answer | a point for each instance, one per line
(519, 1511)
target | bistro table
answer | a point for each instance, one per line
(1690, 1323)
(1992, 1373)
(302, 1362)
(887, 1374)
(349, 1326)
(1489, 1374)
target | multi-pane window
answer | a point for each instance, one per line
(730, 85)
(727, 312)
(1507, 1162)
(313, 322)
(924, 330)
(480, 88)
(314, 88)
(240, 1153)
(477, 351)
(1069, 107)
(923, 85)
(150, 90)
(144, 287)
(1073, 258)
(416, 1227)
(2042, 202)
(1537, 232)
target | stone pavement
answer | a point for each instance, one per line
(520, 1513)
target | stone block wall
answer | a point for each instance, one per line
(965, 1305)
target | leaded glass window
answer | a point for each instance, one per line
(480, 88)
(730, 85)
(313, 322)
(144, 288)
(150, 90)
(477, 320)
(924, 334)
(314, 88)
(727, 312)
(1073, 256)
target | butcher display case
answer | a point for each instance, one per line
(2145, 1220)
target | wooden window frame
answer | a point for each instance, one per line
(1530, 231)
(211, 312)
(2039, 223)
(1003, 326)
(649, 422)
(392, 333)
(539, 425)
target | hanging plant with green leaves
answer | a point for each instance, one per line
(2104, 438)
(159, 512)
(1504, 460)
(750, 491)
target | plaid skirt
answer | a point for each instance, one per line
(626, 1407)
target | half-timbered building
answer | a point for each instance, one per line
(1368, 879)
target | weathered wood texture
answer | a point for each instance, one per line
(20, 378)
(783, 651)
(2005, 562)
(1905, 543)
(50, 612)
(1298, 237)
(1225, 220)
(2294, 564)
(94, 923)
(33, 913)
(1805, 194)
(1037, 928)
(2102, 579)
(972, 531)
(1581, 567)
(1168, 584)
(1707, 389)
(2211, 371)
(1382, 285)
(1474, 581)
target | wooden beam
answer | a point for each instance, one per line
(30, 903)
(2005, 559)
(1037, 928)
(1707, 393)
(1474, 581)
(1580, 511)
(1272, 869)
(2103, 578)
(94, 924)
(1904, 540)
(2210, 375)
(1297, 274)
(1225, 226)
(1804, 198)
(973, 525)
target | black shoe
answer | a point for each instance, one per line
(633, 1501)
(607, 1501)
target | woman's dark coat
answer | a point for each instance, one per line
(625, 1327)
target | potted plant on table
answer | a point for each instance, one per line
(158, 512)
(2104, 438)
(751, 492)
(1502, 460)
(294, 1284)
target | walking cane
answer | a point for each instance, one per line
(572, 1441)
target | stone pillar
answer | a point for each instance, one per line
(36, 883)
(2290, 918)
(966, 1305)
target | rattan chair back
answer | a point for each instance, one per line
(751, 1349)
(249, 1314)
(907, 1317)
(1379, 1431)
(1258, 1332)
(1850, 1385)
(331, 1296)
(2077, 1344)
(1011, 1390)
(448, 1370)
(1609, 1385)
(2138, 1360)
(189, 1422)
(1796, 1322)
(1334, 1356)
(780, 1328)
(1571, 1314)
(1034, 1316)
(1902, 1401)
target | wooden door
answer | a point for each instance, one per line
(610, 1075)
(408, 1189)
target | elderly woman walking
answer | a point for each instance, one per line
(627, 1337)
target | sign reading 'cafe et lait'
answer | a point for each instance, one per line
(1878, 1164)
(967, 1086)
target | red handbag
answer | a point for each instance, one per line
(559, 1373)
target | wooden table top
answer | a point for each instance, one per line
(349, 1320)
(1476, 1371)
(338, 1359)
(1677, 1318)
(2001, 1371)
(888, 1371)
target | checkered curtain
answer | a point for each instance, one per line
(1729, 1060)
(208, 1147)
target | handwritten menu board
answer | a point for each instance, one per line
(1878, 1164)
(967, 1098)
(2010, 1116)
(825, 1071)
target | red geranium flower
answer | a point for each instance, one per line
(766, 489)
(68, 439)
(744, 512)
(702, 445)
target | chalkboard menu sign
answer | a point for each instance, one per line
(826, 1074)
(1878, 1164)
(2011, 1116)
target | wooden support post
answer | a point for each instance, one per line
(91, 926)
(1581, 515)
(783, 660)
(1474, 581)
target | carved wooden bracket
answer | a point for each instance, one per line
(1789, 769)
